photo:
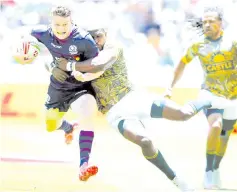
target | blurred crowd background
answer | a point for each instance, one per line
(154, 33)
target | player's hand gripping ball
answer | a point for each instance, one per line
(26, 52)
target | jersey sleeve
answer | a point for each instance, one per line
(40, 33)
(190, 54)
(91, 49)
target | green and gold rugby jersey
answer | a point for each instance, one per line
(219, 62)
(113, 84)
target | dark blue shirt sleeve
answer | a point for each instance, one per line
(91, 49)
(40, 34)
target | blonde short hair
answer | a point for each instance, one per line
(61, 11)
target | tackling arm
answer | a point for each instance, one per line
(102, 61)
(95, 66)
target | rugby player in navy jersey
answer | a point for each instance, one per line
(65, 40)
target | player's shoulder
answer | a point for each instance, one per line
(79, 34)
(40, 29)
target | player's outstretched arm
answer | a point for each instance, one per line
(104, 59)
(187, 58)
(94, 67)
(178, 73)
(25, 49)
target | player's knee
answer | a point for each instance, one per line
(216, 125)
(215, 122)
(145, 142)
(132, 131)
(53, 119)
(85, 107)
(90, 113)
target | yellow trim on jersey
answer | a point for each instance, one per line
(190, 54)
(185, 60)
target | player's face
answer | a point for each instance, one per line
(100, 38)
(211, 24)
(61, 26)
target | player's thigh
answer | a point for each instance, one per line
(85, 106)
(135, 105)
(58, 99)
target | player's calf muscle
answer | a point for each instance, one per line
(51, 125)
(223, 144)
(227, 129)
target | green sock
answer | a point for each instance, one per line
(217, 162)
(159, 161)
(210, 162)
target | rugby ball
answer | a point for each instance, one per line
(26, 52)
